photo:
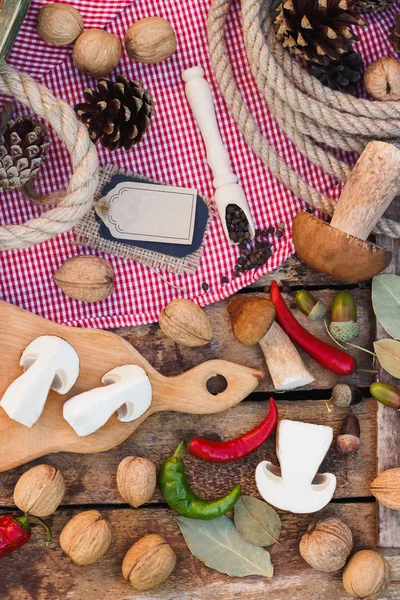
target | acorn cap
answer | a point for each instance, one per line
(336, 253)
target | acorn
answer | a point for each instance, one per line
(314, 309)
(386, 394)
(348, 440)
(344, 395)
(343, 325)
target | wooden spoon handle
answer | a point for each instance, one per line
(188, 392)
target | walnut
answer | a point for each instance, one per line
(367, 575)
(97, 52)
(136, 480)
(327, 545)
(149, 562)
(86, 537)
(85, 278)
(386, 488)
(59, 24)
(185, 323)
(39, 491)
(150, 40)
(382, 79)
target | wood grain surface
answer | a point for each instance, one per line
(38, 573)
(100, 351)
(388, 421)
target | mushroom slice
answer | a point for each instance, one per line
(49, 362)
(127, 391)
(295, 486)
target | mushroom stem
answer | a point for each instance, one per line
(284, 363)
(371, 187)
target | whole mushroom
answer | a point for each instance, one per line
(327, 545)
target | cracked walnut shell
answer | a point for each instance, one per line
(382, 79)
(185, 323)
(40, 491)
(149, 562)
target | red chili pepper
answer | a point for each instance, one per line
(15, 532)
(330, 358)
(239, 447)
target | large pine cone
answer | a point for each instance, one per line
(374, 5)
(23, 147)
(317, 28)
(394, 36)
(118, 113)
(343, 74)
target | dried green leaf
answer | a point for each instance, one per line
(219, 546)
(386, 302)
(256, 521)
(388, 353)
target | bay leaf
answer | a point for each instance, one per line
(219, 546)
(386, 302)
(256, 521)
(388, 353)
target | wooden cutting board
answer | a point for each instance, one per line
(99, 351)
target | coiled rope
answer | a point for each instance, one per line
(309, 113)
(82, 186)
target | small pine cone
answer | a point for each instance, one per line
(343, 74)
(118, 113)
(374, 5)
(316, 29)
(24, 144)
(394, 36)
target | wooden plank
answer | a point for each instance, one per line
(90, 478)
(37, 573)
(170, 358)
(388, 421)
(295, 273)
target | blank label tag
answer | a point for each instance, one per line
(152, 213)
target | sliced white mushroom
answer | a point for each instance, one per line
(127, 391)
(49, 362)
(295, 486)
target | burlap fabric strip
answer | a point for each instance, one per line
(313, 116)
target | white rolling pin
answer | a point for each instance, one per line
(227, 190)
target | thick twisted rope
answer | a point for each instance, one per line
(309, 113)
(82, 186)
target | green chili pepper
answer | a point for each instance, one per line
(178, 495)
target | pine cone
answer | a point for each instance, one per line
(118, 113)
(317, 28)
(394, 36)
(374, 5)
(23, 147)
(343, 74)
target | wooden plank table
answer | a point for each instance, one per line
(37, 573)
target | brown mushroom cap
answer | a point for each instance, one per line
(251, 318)
(333, 252)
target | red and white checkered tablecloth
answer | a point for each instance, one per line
(171, 151)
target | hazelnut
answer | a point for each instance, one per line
(366, 575)
(39, 491)
(149, 562)
(136, 480)
(85, 278)
(382, 79)
(386, 488)
(59, 24)
(327, 545)
(185, 323)
(251, 318)
(86, 537)
(150, 40)
(96, 52)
